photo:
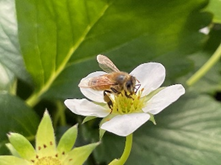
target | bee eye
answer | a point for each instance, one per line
(128, 84)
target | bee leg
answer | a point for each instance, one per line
(107, 98)
(128, 95)
(114, 90)
(117, 92)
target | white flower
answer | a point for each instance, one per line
(128, 114)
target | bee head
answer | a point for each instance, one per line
(129, 85)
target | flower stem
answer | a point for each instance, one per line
(204, 69)
(126, 153)
(127, 149)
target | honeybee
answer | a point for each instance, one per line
(114, 82)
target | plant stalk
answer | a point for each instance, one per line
(205, 68)
(126, 153)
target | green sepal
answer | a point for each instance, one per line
(12, 149)
(80, 154)
(88, 118)
(67, 140)
(101, 133)
(12, 160)
(22, 146)
(107, 118)
(153, 93)
(152, 118)
(45, 139)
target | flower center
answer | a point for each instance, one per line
(124, 104)
(48, 161)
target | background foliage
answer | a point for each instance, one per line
(47, 46)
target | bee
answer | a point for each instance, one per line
(114, 82)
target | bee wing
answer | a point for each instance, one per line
(84, 83)
(99, 80)
(106, 64)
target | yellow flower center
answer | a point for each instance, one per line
(124, 104)
(48, 161)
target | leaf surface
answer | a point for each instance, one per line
(63, 37)
(16, 116)
(10, 56)
(188, 132)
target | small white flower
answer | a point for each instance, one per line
(128, 114)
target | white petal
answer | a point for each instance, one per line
(150, 75)
(91, 94)
(86, 108)
(124, 125)
(164, 98)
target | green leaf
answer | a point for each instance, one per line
(17, 117)
(7, 79)
(62, 37)
(188, 132)
(214, 7)
(10, 57)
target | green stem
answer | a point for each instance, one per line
(60, 114)
(33, 99)
(204, 69)
(127, 149)
(126, 153)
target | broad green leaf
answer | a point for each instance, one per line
(188, 132)
(63, 37)
(15, 116)
(10, 57)
(7, 79)
(214, 7)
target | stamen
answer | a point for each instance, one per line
(48, 161)
(125, 104)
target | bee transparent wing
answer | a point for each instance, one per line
(106, 64)
(100, 82)
(84, 83)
